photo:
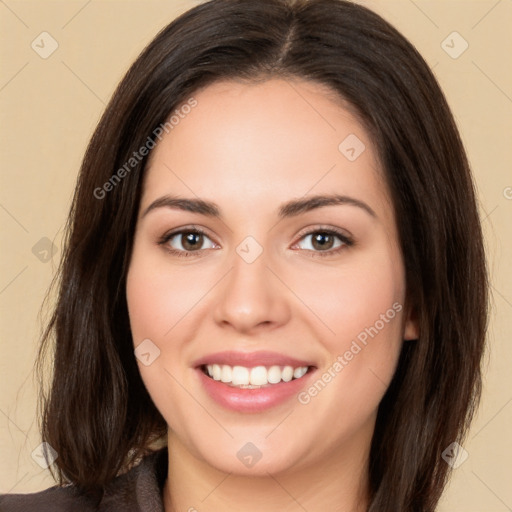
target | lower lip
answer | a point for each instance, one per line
(252, 400)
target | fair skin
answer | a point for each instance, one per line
(250, 148)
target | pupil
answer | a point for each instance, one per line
(192, 241)
(322, 241)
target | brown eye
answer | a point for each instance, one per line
(189, 241)
(324, 241)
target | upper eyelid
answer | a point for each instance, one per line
(186, 229)
(345, 239)
(303, 232)
(324, 229)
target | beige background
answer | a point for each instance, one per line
(49, 108)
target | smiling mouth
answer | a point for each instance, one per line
(255, 377)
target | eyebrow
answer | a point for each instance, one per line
(289, 209)
(298, 206)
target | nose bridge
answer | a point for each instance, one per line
(251, 295)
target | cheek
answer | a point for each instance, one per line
(155, 315)
(160, 302)
(363, 308)
(158, 299)
(353, 297)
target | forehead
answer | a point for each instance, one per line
(266, 142)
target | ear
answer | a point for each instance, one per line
(411, 324)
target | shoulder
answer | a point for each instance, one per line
(54, 499)
(138, 490)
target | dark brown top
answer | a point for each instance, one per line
(138, 490)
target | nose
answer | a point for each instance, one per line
(251, 298)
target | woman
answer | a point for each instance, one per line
(274, 268)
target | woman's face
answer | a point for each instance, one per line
(266, 250)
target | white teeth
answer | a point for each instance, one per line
(287, 374)
(297, 373)
(226, 373)
(216, 371)
(241, 376)
(258, 376)
(274, 375)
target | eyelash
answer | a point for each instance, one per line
(346, 241)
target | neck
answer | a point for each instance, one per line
(338, 484)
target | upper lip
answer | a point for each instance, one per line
(251, 359)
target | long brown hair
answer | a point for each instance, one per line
(97, 413)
